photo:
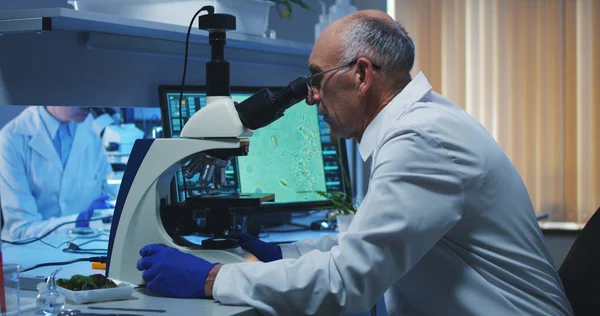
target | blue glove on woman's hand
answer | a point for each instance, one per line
(83, 219)
(170, 272)
(264, 251)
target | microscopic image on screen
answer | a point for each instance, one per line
(285, 157)
(292, 158)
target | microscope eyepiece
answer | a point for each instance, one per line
(295, 92)
(264, 107)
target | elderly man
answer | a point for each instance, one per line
(446, 228)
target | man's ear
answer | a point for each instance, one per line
(364, 75)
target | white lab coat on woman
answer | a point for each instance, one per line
(36, 192)
(446, 228)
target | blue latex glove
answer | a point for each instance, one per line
(170, 272)
(83, 219)
(264, 251)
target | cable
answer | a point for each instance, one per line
(76, 238)
(181, 101)
(83, 237)
(93, 240)
(74, 248)
(34, 239)
(101, 259)
(86, 251)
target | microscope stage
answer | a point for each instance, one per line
(232, 200)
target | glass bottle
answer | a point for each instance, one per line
(49, 300)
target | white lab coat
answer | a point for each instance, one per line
(36, 194)
(446, 228)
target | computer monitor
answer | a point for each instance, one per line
(293, 157)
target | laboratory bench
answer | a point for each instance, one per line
(143, 300)
(51, 250)
(38, 252)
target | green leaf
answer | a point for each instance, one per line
(340, 200)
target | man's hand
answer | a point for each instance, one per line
(170, 272)
(83, 219)
(265, 252)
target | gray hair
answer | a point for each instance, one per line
(386, 44)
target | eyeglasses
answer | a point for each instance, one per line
(314, 81)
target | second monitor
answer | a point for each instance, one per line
(293, 157)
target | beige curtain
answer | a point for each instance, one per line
(528, 70)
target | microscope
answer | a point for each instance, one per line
(147, 213)
(117, 139)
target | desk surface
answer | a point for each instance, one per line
(34, 253)
(51, 251)
(561, 226)
(173, 306)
